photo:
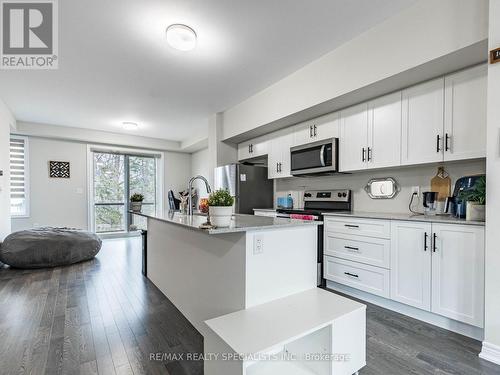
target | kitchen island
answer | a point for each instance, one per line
(208, 273)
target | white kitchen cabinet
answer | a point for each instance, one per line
(353, 138)
(423, 119)
(384, 132)
(458, 272)
(411, 263)
(465, 114)
(253, 148)
(323, 127)
(278, 161)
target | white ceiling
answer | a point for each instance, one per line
(115, 64)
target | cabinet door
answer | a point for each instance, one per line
(244, 150)
(285, 166)
(274, 156)
(458, 273)
(303, 134)
(353, 138)
(411, 263)
(422, 132)
(465, 114)
(326, 126)
(384, 131)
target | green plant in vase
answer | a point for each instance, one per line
(476, 200)
(220, 208)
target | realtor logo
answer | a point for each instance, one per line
(29, 34)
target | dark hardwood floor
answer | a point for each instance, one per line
(104, 317)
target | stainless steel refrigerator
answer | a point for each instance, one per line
(248, 184)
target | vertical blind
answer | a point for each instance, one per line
(18, 167)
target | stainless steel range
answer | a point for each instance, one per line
(317, 202)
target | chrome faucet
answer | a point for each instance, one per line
(190, 187)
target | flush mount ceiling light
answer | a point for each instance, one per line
(127, 125)
(181, 37)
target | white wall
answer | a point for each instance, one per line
(424, 32)
(491, 346)
(406, 178)
(63, 202)
(6, 122)
(56, 201)
(200, 164)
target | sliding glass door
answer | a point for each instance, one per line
(116, 176)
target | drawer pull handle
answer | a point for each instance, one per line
(351, 226)
(352, 248)
(351, 274)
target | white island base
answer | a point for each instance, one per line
(208, 274)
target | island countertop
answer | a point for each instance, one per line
(239, 222)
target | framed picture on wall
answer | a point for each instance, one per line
(59, 169)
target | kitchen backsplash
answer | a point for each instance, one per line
(406, 177)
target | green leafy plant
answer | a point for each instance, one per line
(477, 194)
(137, 197)
(220, 198)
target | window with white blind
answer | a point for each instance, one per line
(19, 189)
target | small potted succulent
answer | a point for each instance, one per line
(220, 208)
(136, 202)
(476, 200)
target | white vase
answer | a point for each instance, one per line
(136, 206)
(220, 216)
(475, 211)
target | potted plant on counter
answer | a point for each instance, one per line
(220, 208)
(136, 202)
(476, 200)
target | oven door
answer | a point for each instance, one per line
(317, 157)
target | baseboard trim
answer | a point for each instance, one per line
(490, 352)
(425, 316)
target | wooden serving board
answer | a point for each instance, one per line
(441, 183)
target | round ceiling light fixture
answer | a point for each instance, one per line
(127, 125)
(181, 37)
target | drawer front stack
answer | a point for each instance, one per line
(357, 254)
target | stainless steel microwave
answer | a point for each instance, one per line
(315, 158)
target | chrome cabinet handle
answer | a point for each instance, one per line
(363, 155)
(425, 241)
(446, 142)
(434, 236)
(310, 131)
(369, 154)
(351, 226)
(315, 130)
(438, 141)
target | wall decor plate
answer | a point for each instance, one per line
(59, 169)
(382, 188)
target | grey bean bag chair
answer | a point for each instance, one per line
(48, 247)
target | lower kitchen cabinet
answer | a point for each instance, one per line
(458, 272)
(411, 263)
(434, 267)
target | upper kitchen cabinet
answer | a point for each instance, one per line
(384, 132)
(465, 114)
(316, 130)
(278, 162)
(253, 148)
(423, 109)
(354, 138)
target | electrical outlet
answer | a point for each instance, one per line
(415, 190)
(258, 247)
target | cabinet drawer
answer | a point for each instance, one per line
(372, 251)
(370, 279)
(360, 227)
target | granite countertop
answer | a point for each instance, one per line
(239, 223)
(447, 219)
(265, 209)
